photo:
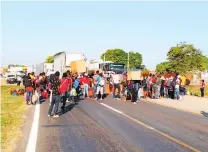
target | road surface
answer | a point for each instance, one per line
(117, 126)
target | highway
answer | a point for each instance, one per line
(117, 126)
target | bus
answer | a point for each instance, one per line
(110, 67)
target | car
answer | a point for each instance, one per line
(11, 79)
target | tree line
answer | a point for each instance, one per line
(183, 58)
(117, 56)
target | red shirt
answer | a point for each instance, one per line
(86, 80)
(64, 85)
(70, 82)
(81, 80)
(29, 88)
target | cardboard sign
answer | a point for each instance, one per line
(134, 75)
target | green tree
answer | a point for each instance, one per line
(135, 60)
(183, 58)
(115, 55)
(49, 59)
(120, 56)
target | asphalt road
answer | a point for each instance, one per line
(89, 126)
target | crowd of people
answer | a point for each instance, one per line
(71, 87)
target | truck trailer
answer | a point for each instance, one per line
(63, 60)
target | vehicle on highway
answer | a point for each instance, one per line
(111, 67)
(11, 78)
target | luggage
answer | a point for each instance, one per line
(134, 95)
(73, 92)
(108, 89)
(45, 94)
(90, 92)
(34, 99)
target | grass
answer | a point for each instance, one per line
(196, 89)
(12, 117)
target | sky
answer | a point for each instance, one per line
(31, 31)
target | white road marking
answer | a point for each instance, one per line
(31, 145)
(153, 129)
(120, 112)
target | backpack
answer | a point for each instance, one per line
(168, 83)
(144, 82)
(76, 83)
(173, 83)
(28, 83)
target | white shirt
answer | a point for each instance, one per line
(116, 79)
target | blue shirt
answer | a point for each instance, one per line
(76, 83)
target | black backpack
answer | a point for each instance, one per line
(144, 83)
(28, 83)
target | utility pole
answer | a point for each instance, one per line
(128, 62)
(104, 61)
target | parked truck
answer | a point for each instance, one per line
(48, 68)
(63, 60)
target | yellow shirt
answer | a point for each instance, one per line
(183, 80)
(32, 77)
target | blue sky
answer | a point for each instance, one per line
(33, 30)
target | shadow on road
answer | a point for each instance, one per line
(205, 114)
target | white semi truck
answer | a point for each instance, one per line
(48, 68)
(63, 60)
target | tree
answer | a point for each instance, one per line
(115, 55)
(135, 60)
(49, 59)
(120, 56)
(182, 59)
(163, 67)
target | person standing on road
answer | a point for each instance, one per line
(162, 88)
(95, 83)
(86, 85)
(56, 98)
(177, 88)
(154, 87)
(202, 86)
(100, 86)
(19, 80)
(158, 82)
(64, 90)
(69, 77)
(28, 89)
(116, 85)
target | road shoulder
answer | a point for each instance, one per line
(25, 129)
(194, 105)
